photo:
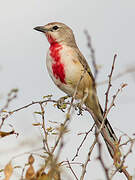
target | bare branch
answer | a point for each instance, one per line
(100, 158)
(126, 71)
(44, 129)
(72, 170)
(11, 95)
(113, 100)
(109, 84)
(78, 149)
(92, 52)
(121, 165)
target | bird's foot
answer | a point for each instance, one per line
(78, 107)
(61, 103)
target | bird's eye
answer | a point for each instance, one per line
(55, 27)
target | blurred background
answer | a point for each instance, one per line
(22, 65)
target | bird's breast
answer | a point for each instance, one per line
(63, 67)
(56, 66)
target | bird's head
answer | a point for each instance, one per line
(57, 32)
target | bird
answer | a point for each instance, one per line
(66, 65)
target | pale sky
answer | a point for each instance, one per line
(22, 65)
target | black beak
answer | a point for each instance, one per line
(41, 29)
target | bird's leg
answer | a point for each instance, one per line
(60, 103)
(79, 105)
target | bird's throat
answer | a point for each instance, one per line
(51, 40)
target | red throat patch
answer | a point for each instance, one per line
(50, 39)
(57, 66)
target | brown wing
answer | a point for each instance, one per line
(84, 64)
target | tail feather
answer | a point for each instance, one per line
(109, 128)
(111, 135)
(107, 131)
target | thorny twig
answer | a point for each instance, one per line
(69, 165)
(32, 103)
(64, 163)
(22, 174)
(109, 84)
(125, 143)
(9, 113)
(113, 100)
(100, 158)
(91, 147)
(87, 160)
(121, 165)
(126, 71)
(78, 149)
(11, 95)
(92, 51)
(44, 129)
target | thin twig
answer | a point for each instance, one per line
(126, 71)
(92, 52)
(125, 143)
(106, 170)
(44, 129)
(78, 149)
(22, 174)
(113, 100)
(72, 170)
(32, 103)
(11, 95)
(91, 148)
(109, 85)
(121, 165)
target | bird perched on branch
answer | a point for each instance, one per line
(66, 65)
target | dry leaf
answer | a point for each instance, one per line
(44, 177)
(31, 159)
(3, 134)
(36, 124)
(4, 110)
(8, 170)
(124, 85)
(38, 112)
(30, 173)
(49, 129)
(48, 96)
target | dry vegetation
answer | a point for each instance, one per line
(52, 168)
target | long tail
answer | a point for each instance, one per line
(112, 137)
(107, 131)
